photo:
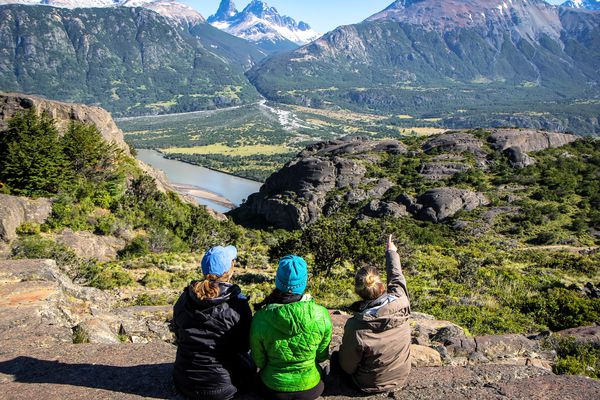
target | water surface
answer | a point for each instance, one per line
(233, 188)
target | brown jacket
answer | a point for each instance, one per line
(375, 348)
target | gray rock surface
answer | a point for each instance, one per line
(379, 209)
(294, 196)
(88, 246)
(442, 203)
(455, 143)
(442, 170)
(130, 371)
(353, 145)
(516, 143)
(15, 211)
(518, 158)
(528, 140)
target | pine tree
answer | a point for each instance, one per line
(89, 154)
(33, 162)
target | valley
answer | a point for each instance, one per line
(255, 140)
(137, 134)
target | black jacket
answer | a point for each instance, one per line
(211, 335)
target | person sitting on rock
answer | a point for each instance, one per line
(290, 335)
(375, 349)
(212, 324)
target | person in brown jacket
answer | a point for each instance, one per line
(375, 349)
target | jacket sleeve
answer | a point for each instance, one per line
(396, 282)
(350, 353)
(323, 349)
(242, 341)
(257, 348)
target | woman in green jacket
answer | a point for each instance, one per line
(290, 335)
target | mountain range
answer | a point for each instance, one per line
(128, 60)
(262, 25)
(448, 61)
(587, 4)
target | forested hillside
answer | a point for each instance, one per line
(532, 65)
(128, 60)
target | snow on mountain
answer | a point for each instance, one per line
(174, 10)
(587, 4)
(259, 23)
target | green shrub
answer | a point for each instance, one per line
(156, 279)
(105, 276)
(575, 358)
(38, 247)
(29, 228)
(138, 247)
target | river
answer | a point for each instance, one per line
(216, 190)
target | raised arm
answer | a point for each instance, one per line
(396, 282)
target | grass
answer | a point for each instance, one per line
(220, 148)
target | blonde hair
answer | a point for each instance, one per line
(209, 287)
(368, 284)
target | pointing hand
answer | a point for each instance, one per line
(390, 244)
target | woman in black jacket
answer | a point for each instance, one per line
(212, 324)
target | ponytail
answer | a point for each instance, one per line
(209, 287)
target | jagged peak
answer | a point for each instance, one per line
(226, 11)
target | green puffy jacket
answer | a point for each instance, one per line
(287, 342)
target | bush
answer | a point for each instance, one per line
(575, 358)
(156, 280)
(105, 276)
(138, 247)
(38, 247)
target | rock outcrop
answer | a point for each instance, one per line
(295, 196)
(516, 143)
(439, 204)
(366, 176)
(63, 114)
(455, 143)
(88, 246)
(15, 211)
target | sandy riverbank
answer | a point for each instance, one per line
(196, 191)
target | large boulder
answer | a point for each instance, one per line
(295, 196)
(528, 140)
(442, 203)
(86, 245)
(15, 211)
(354, 145)
(516, 143)
(455, 143)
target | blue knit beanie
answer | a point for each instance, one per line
(291, 275)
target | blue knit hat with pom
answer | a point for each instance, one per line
(291, 275)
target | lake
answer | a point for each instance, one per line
(216, 190)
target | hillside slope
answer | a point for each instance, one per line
(464, 63)
(152, 65)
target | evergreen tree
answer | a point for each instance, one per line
(33, 162)
(87, 151)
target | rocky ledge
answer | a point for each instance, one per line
(42, 313)
(327, 176)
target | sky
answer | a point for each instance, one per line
(322, 15)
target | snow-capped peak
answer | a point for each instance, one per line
(169, 8)
(259, 22)
(586, 4)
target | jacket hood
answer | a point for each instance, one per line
(290, 317)
(384, 313)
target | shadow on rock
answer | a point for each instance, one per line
(151, 380)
